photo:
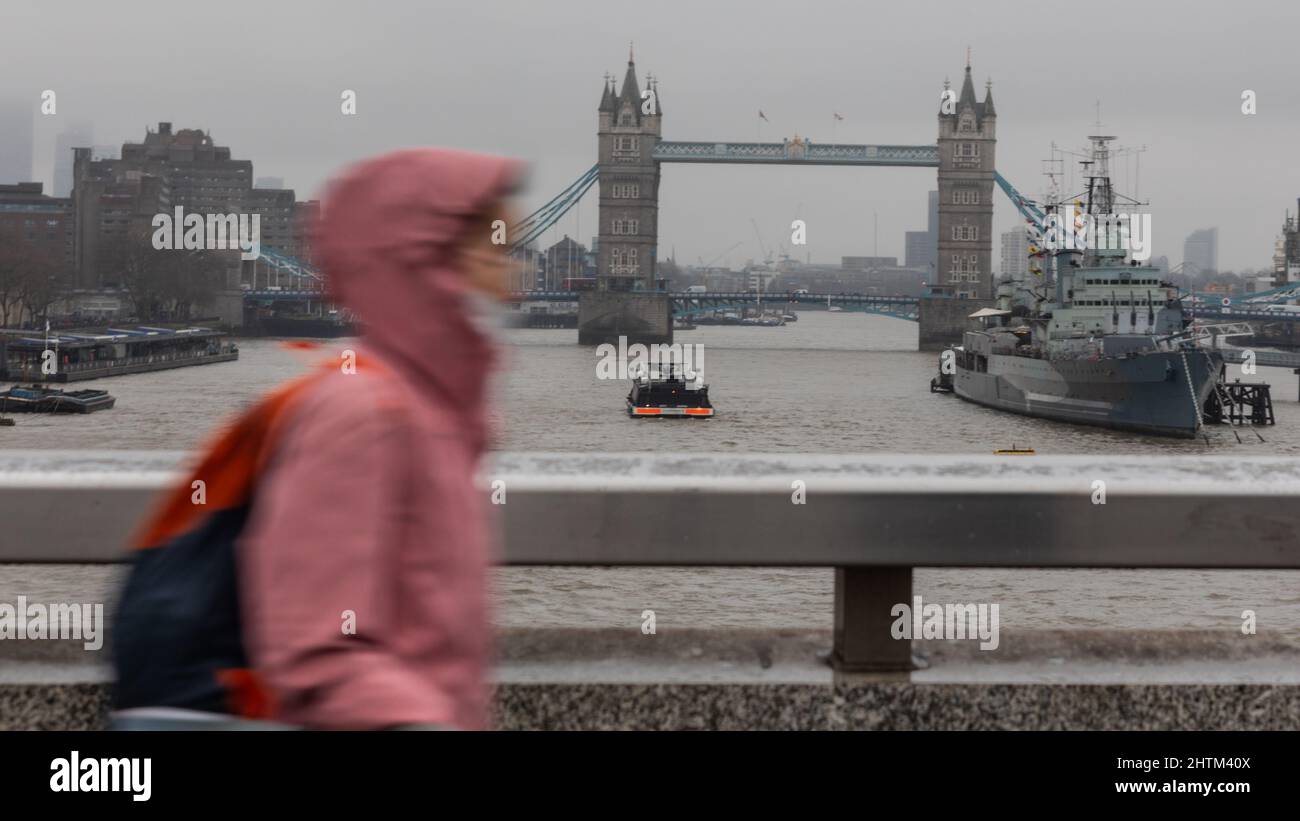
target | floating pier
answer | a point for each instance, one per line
(1239, 403)
(71, 356)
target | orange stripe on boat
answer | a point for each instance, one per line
(700, 411)
(649, 411)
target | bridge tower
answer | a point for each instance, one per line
(967, 141)
(630, 125)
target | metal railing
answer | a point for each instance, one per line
(872, 518)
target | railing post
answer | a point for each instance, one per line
(864, 597)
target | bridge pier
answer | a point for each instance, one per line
(643, 317)
(229, 306)
(944, 319)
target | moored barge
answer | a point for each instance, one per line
(36, 399)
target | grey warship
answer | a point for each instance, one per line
(1089, 336)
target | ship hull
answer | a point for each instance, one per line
(1150, 393)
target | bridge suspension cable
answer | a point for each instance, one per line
(289, 264)
(535, 224)
(525, 231)
(1027, 207)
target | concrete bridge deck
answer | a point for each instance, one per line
(763, 679)
(872, 518)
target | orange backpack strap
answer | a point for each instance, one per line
(228, 469)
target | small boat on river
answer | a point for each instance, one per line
(39, 399)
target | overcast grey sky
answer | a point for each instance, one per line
(523, 78)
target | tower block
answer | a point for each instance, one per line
(967, 145)
(630, 125)
(627, 301)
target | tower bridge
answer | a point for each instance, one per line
(631, 151)
(632, 300)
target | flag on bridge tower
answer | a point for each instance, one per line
(837, 115)
(762, 116)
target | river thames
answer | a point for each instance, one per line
(830, 383)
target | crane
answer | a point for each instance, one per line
(704, 264)
(767, 256)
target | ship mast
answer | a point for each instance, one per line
(1101, 195)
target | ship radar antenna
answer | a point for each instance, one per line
(1053, 169)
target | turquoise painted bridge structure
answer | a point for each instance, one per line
(690, 303)
(788, 152)
(1262, 306)
(802, 152)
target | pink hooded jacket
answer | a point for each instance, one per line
(368, 510)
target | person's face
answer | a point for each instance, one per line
(487, 263)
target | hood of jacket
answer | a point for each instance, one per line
(388, 234)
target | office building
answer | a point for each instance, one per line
(77, 135)
(16, 119)
(1201, 252)
(1015, 252)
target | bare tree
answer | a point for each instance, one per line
(139, 267)
(39, 286)
(195, 281)
(27, 282)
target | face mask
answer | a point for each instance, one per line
(487, 315)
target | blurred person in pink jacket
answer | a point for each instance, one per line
(357, 538)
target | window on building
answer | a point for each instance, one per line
(965, 151)
(623, 260)
(964, 267)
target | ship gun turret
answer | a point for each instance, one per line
(1197, 333)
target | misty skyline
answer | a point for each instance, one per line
(524, 80)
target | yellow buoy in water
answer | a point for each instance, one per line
(1014, 451)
